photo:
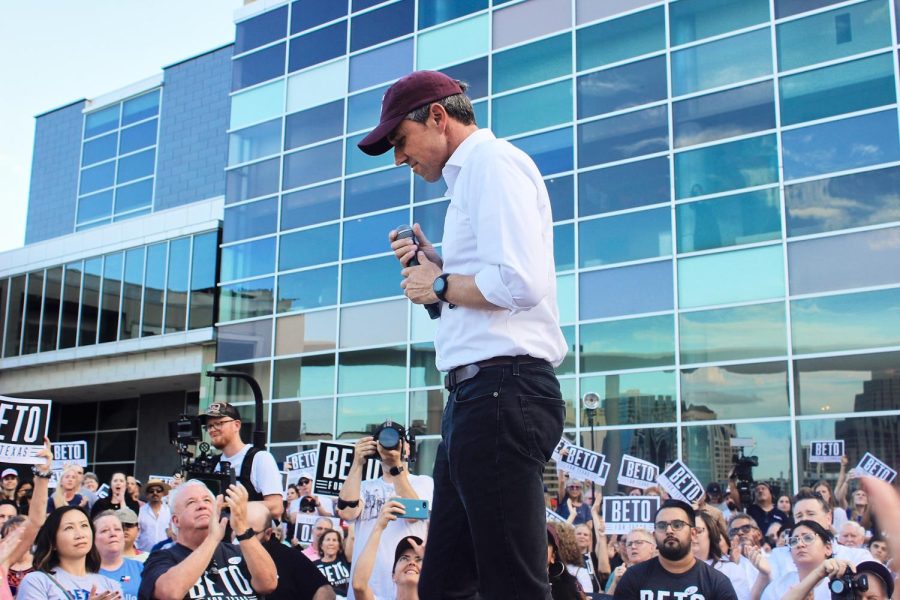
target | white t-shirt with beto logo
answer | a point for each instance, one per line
(39, 586)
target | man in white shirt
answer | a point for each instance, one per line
(498, 339)
(154, 516)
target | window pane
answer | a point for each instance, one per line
(94, 206)
(313, 125)
(565, 297)
(632, 236)
(374, 324)
(370, 279)
(90, 301)
(528, 20)
(370, 370)
(234, 390)
(628, 344)
(729, 221)
(203, 280)
(309, 13)
(630, 85)
(140, 108)
(16, 305)
(318, 46)
(134, 196)
(531, 63)
(137, 137)
(633, 397)
(622, 38)
(258, 31)
(839, 145)
(50, 321)
(380, 65)
(474, 73)
(842, 202)
(425, 410)
(258, 179)
(259, 104)
(306, 332)
(303, 420)
(307, 289)
(724, 114)
(254, 142)
(722, 62)
(369, 235)
(246, 299)
(564, 246)
(711, 335)
(738, 391)
(845, 384)
(250, 220)
(637, 290)
(381, 25)
(624, 136)
(307, 376)
(101, 121)
(112, 292)
(692, 20)
(376, 191)
(99, 149)
(364, 110)
(33, 313)
(312, 165)
(177, 284)
(562, 197)
(846, 322)
(736, 276)
(244, 341)
(786, 8)
(707, 449)
(422, 370)
(357, 161)
(453, 43)
(724, 167)
(842, 88)
(533, 109)
(308, 247)
(96, 178)
(248, 259)
(625, 186)
(154, 290)
(311, 206)
(136, 166)
(132, 292)
(432, 12)
(257, 67)
(116, 446)
(834, 34)
(552, 151)
(431, 218)
(361, 415)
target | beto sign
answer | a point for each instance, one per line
(681, 483)
(23, 425)
(624, 513)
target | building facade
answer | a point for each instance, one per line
(724, 175)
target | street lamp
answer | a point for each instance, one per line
(591, 402)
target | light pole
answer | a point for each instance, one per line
(591, 402)
(259, 434)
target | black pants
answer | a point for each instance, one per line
(488, 533)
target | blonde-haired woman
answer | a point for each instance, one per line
(66, 493)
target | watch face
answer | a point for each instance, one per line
(440, 284)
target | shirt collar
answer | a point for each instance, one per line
(459, 157)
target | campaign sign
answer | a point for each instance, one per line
(579, 462)
(103, 491)
(69, 453)
(552, 515)
(681, 483)
(869, 465)
(623, 513)
(23, 425)
(637, 473)
(305, 524)
(604, 472)
(303, 461)
(333, 464)
(826, 451)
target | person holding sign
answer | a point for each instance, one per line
(571, 505)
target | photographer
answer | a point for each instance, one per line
(867, 581)
(361, 501)
(254, 468)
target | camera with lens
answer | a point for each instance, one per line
(308, 504)
(743, 473)
(847, 585)
(185, 434)
(391, 435)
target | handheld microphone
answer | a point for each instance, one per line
(403, 232)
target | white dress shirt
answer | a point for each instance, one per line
(782, 563)
(153, 526)
(499, 228)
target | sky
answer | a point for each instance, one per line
(58, 51)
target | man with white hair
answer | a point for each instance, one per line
(852, 535)
(199, 564)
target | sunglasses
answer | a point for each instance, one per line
(155, 491)
(129, 525)
(304, 481)
(743, 529)
(676, 525)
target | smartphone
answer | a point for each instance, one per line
(415, 508)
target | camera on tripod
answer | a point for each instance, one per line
(743, 474)
(847, 585)
(185, 434)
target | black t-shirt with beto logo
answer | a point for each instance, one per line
(226, 577)
(650, 581)
(337, 572)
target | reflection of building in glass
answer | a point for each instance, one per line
(873, 434)
(709, 447)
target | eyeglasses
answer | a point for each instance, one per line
(217, 425)
(676, 525)
(304, 481)
(806, 538)
(635, 543)
(743, 529)
(129, 525)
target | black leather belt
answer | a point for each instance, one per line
(466, 372)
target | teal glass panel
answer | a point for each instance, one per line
(308, 247)
(533, 109)
(307, 289)
(735, 392)
(432, 12)
(722, 62)
(692, 20)
(736, 276)
(728, 166)
(531, 63)
(246, 299)
(368, 235)
(422, 370)
(357, 161)
(845, 384)
(621, 39)
(846, 322)
(628, 344)
(254, 142)
(318, 85)
(364, 110)
(565, 298)
(305, 376)
(259, 104)
(733, 333)
(453, 43)
(834, 34)
(632, 236)
(371, 370)
(632, 398)
(360, 415)
(248, 259)
(567, 367)
(728, 221)
(481, 113)
(564, 246)
(837, 89)
(370, 279)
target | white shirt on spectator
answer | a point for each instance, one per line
(498, 229)
(778, 588)
(736, 574)
(153, 526)
(782, 563)
(264, 475)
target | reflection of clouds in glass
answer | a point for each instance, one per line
(739, 391)
(862, 320)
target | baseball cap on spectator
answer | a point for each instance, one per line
(714, 489)
(218, 410)
(404, 545)
(7, 472)
(127, 516)
(878, 569)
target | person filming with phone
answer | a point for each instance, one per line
(361, 502)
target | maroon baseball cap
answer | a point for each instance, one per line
(409, 93)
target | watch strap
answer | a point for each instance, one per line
(442, 295)
(246, 535)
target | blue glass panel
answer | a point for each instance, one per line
(624, 186)
(137, 137)
(732, 220)
(728, 166)
(552, 151)
(134, 195)
(257, 67)
(846, 322)
(628, 344)
(362, 4)
(368, 235)
(310, 206)
(140, 108)
(381, 25)
(370, 279)
(624, 136)
(422, 190)
(317, 46)
(842, 88)
(709, 335)
(632, 236)
(250, 220)
(725, 114)
(722, 62)
(692, 20)
(313, 125)
(533, 109)
(309, 13)
(842, 202)
(254, 142)
(474, 73)
(630, 85)
(309, 247)
(622, 38)
(626, 290)
(839, 145)
(258, 179)
(94, 206)
(364, 110)
(312, 165)
(101, 121)
(307, 289)
(432, 12)
(376, 191)
(562, 197)
(431, 218)
(246, 299)
(260, 30)
(98, 149)
(786, 8)
(383, 64)
(736, 276)
(248, 259)
(564, 246)
(98, 177)
(136, 166)
(531, 63)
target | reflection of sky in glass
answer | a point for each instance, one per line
(831, 385)
(845, 322)
(737, 391)
(358, 414)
